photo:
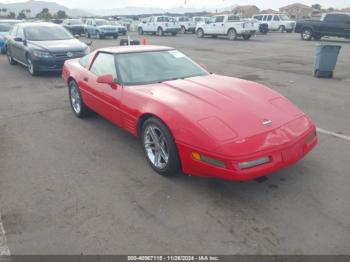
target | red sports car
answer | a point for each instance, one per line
(187, 118)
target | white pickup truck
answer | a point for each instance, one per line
(159, 25)
(228, 25)
(185, 24)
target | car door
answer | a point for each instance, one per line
(269, 21)
(275, 23)
(219, 25)
(209, 26)
(19, 47)
(104, 99)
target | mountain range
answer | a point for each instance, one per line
(37, 6)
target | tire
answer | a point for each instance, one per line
(289, 31)
(31, 66)
(183, 30)
(306, 34)
(88, 35)
(140, 31)
(246, 37)
(160, 31)
(79, 109)
(115, 37)
(158, 143)
(200, 33)
(232, 34)
(98, 35)
(173, 34)
(317, 37)
(282, 28)
(10, 58)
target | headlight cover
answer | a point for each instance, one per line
(41, 54)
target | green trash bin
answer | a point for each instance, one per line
(326, 60)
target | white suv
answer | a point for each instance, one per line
(277, 22)
(186, 24)
(159, 25)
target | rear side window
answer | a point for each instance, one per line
(258, 17)
(265, 18)
(337, 18)
(269, 18)
(219, 19)
(104, 64)
(276, 18)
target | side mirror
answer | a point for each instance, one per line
(107, 79)
(204, 66)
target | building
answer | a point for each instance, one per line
(246, 11)
(297, 11)
(269, 11)
(346, 10)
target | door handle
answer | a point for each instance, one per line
(86, 79)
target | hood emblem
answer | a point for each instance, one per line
(69, 54)
(267, 122)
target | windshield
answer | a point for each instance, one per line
(284, 18)
(47, 33)
(102, 22)
(154, 67)
(75, 22)
(6, 26)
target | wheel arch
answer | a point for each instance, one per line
(142, 120)
(228, 30)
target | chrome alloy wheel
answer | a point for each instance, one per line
(307, 34)
(75, 98)
(30, 66)
(156, 147)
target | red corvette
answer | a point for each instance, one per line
(188, 119)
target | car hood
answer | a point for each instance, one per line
(107, 27)
(225, 108)
(58, 45)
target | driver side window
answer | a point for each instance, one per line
(104, 64)
(212, 20)
(20, 33)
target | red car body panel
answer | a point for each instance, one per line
(217, 116)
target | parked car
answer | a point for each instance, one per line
(277, 22)
(186, 24)
(100, 28)
(42, 46)
(332, 24)
(75, 26)
(5, 26)
(199, 19)
(122, 29)
(228, 25)
(159, 25)
(187, 118)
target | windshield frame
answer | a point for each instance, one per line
(25, 29)
(120, 79)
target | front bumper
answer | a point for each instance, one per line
(52, 64)
(109, 34)
(171, 30)
(280, 157)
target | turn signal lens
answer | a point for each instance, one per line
(196, 156)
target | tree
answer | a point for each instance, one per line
(44, 14)
(61, 14)
(317, 6)
(21, 15)
(28, 11)
(11, 15)
(331, 9)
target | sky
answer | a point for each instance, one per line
(262, 4)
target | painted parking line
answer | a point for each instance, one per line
(4, 249)
(330, 133)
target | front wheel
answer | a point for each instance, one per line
(173, 34)
(160, 148)
(246, 37)
(160, 31)
(200, 33)
(282, 28)
(76, 101)
(31, 66)
(306, 34)
(232, 34)
(183, 30)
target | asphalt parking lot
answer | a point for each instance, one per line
(71, 186)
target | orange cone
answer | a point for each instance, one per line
(144, 41)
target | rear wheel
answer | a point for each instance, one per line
(88, 35)
(174, 34)
(159, 147)
(10, 58)
(200, 33)
(232, 34)
(76, 101)
(98, 35)
(246, 37)
(306, 34)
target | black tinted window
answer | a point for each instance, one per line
(258, 17)
(219, 19)
(46, 33)
(269, 18)
(337, 18)
(276, 18)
